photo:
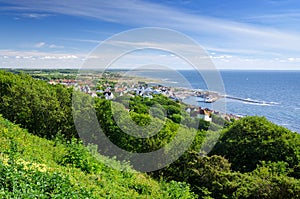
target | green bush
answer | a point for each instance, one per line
(78, 156)
(43, 109)
(253, 139)
(21, 180)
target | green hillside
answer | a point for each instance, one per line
(33, 167)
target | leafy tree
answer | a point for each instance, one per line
(43, 109)
(218, 120)
(157, 112)
(141, 109)
(116, 122)
(253, 139)
(203, 125)
(172, 109)
(176, 118)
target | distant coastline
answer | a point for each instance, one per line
(277, 91)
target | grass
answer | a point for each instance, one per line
(27, 160)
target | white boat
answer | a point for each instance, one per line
(210, 99)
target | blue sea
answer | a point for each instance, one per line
(277, 91)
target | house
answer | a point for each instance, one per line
(156, 92)
(108, 95)
(188, 110)
(85, 89)
(93, 94)
(200, 113)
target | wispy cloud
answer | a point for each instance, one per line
(221, 35)
(40, 44)
(289, 15)
(83, 40)
(38, 54)
(230, 34)
(56, 46)
(36, 15)
(45, 45)
(38, 59)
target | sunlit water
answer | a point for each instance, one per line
(279, 92)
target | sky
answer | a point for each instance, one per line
(256, 34)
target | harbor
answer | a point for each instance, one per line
(210, 97)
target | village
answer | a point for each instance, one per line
(112, 86)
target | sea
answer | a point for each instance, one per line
(272, 94)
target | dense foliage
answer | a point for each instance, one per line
(254, 139)
(43, 109)
(32, 167)
(253, 158)
(212, 177)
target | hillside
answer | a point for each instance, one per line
(33, 167)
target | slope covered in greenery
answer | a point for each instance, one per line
(33, 167)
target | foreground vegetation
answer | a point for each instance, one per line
(263, 162)
(33, 167)
(252, 159)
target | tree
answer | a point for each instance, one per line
(253, 139)
(43, 109)
(203, 125)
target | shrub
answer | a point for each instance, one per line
(78, 156)
(253, 139)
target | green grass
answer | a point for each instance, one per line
(33, 167)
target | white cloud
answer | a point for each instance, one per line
(37, 59)
(293, 59)
(44, 44)
(85, 40)
(36, 15)
(55, 46)
(276, 17)
(40, 44)
(68, 57)
(220, 35)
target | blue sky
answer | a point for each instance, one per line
(256, 34)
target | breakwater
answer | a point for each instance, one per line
(210, 97)
(246, 100)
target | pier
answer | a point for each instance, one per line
(210, 97)
(245, 100)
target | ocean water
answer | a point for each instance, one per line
(277, 91)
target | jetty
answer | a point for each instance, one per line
(211, 96)
(245, 100)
